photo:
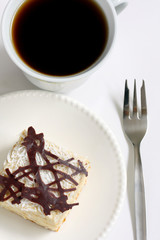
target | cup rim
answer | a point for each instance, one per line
(45, 77)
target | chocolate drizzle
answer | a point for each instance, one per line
(42, 194)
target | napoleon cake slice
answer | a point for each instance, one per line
(41, 181)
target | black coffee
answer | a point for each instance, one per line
(59, 37)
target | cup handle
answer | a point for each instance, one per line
(119, 5)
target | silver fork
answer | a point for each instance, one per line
(135, 126)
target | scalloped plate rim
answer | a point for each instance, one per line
(103, 126)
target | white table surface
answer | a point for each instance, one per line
(136, 54)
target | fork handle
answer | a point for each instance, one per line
(140, 208)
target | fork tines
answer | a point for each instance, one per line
(126, 107)
(143, 100)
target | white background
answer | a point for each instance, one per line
(136, 55)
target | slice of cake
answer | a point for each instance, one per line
(41, 181)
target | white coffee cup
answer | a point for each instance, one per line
(60, 83)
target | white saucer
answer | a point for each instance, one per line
(71, 125)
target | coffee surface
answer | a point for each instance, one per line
(59, 37)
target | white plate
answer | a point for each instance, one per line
(72, 126)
